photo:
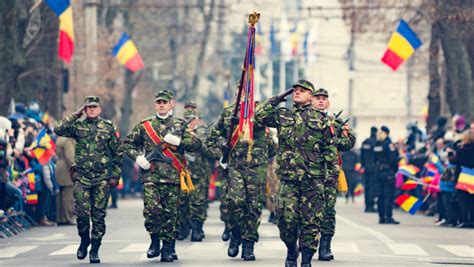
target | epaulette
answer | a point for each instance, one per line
(147, 119)
(109, 122)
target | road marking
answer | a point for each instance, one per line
(10, 252)
(407, 249)
(67, 250)
(136, 247)
(378, 235)
(459, 250)
(50, 237)
(345, 247)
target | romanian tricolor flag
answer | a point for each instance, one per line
(358, 190)
(31, 198)
(43, 147)
(408, 170)
(63, 9)
(126, 52)
(409, 185)
(247, 101)
(466, 180)
(409, 203)
(401, 45)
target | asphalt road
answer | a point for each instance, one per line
(359, 241)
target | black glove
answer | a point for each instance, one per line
(225, 149)
(234, 120)
(274, 101)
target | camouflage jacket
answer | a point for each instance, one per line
(138, 143)
(238, 157)
(200, 162)
(303, 138)
(97, 149)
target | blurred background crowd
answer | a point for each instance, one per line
(35, 186)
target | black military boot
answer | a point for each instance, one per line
(272, 218)
(235, 241)
(173, 250)
(154, 249)
(325, 253)
(167, 251)
(291, 254)
(196, 234)
(226, 234)
(247, 250)
(183, 231)
(85, 242)
(306, 257)
(94, 253)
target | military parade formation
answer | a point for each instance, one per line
(176, 157)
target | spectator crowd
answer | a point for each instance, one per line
(433, 170)
(35, 183)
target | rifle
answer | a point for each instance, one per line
(157, 155)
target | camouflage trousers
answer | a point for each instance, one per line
(161, 203)
(198, 200)
(300, 212)
(90, 205)
(272, 186)
(328, 225)
(245, 199)
(183, 212)
(224, 205)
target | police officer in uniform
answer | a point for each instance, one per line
(98, 162)
(386, 162)
(367, 157)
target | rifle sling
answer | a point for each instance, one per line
(167, 152)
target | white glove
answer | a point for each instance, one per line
(143, 162)
(223, 165)
(172, 139)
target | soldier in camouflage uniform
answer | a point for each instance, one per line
(199, 164)
(272, 181)
(344, 140)
(224, 205)
(303, 136)
(245, 184)
(161, 180)
(98, 162)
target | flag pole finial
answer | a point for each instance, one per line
(253, 18)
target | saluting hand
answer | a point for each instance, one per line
(80, 111)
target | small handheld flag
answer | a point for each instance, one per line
(466, 180)
(43, 147)
(408, 170)
(409, 203)
(409, 185)
(401, 46)
(126, 52)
